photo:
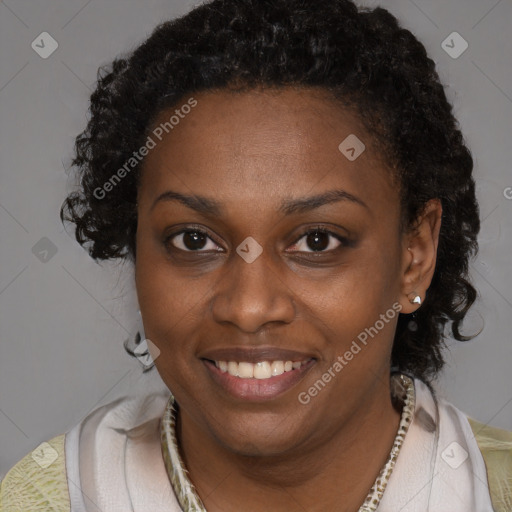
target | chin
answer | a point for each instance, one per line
(257, 444)
(264, 434)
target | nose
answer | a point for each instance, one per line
(252, 295)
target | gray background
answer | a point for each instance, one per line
(63, 318)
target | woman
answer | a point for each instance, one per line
(293, 190)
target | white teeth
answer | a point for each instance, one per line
(245, 370)
(262, 370)
(259, 370)
(277, 368)
(233, 368)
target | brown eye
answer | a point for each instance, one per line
(191, 240)
(319, 240)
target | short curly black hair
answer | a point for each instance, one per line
(364, 58)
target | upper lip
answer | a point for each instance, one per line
(255, 354)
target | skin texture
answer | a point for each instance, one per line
(250, 151)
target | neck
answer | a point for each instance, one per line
(334, 473)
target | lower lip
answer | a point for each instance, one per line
(257, 389)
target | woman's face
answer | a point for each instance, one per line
(247, 176)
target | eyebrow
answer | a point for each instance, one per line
(208, 206)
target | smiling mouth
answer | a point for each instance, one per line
(261, 380)
(260, 370)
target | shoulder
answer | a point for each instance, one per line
(496, 447)
(38, 481)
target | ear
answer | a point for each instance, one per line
(419, 255)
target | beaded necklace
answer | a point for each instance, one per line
(190, 501)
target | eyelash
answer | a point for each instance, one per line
(318, 229)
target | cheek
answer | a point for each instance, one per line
(168, 305)
(367, 281)
(171, 321)
(358, 302)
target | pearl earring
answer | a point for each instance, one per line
(414, 298)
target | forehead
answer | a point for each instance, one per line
(261, 144)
